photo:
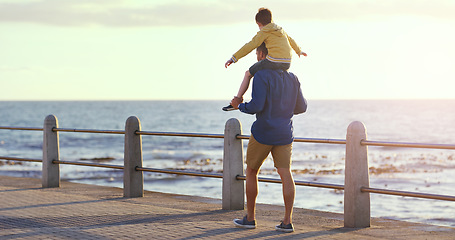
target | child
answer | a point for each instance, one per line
(278, 44)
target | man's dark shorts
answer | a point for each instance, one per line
(266, 64)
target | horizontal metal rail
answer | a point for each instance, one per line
(88, 164)
(22, 128)
(88, 131)
(407, 145)
(243, 136)
(301, 183)
(180, 134)
(207, 135)
(320, 140)
(408, 194)
(21, 159)
(180, 172)
(307, 140)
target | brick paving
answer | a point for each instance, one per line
(79, 211)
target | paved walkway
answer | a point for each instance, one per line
(78, 211)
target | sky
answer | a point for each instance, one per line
(176, 50)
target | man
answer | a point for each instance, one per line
(276, 97)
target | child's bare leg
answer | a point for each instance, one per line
(245, 84)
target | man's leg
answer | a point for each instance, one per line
(251, 192)
(288, 193)
(255, 156)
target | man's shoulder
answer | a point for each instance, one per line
(267, 73)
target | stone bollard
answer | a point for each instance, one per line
(356, 202)
(233, 189)
(133, 181)
(50, 171)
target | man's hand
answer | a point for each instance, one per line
(302, 53)
(235, 102)
(229, 62)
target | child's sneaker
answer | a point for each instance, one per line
(285, 227)
(244, 223)
(228, 108)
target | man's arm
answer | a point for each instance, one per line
(258, 93)
(301, 104)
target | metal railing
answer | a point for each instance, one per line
(87, 164)
(87, 131)
(407, 145)
(356, 146)
(21, 159)
(177, 172)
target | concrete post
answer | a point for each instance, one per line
(133, 181)
(356, 203)
(233, 189)
(50, 171)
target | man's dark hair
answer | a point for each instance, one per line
(264, 16)
(263, 48)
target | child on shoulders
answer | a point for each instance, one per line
(278, 44)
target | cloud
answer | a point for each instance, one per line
(118, 13)
(122, 13)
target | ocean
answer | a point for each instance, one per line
(406, 169)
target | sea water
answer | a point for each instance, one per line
(405, 169)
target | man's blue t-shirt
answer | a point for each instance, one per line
(276, 97)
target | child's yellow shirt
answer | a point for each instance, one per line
(276, 40)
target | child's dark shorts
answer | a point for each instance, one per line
(266, 64)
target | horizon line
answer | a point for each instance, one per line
(144, 100)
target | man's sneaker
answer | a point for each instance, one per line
(228, 108)
(244, 223)
(285, 227)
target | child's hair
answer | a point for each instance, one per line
(264, 16)
(263, 48)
